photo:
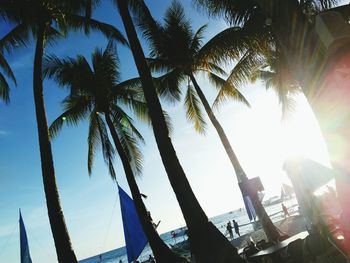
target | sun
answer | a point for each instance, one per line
(264, 141)
(302, 136)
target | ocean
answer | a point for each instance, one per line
(220, 221)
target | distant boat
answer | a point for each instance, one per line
(273, 200)
(25, 255)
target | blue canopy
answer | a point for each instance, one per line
(25, 255)
(249, 207)
(135, 238)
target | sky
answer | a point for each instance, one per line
(260, 139)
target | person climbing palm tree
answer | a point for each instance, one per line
(44, 21)
(97, 94)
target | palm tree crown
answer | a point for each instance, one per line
(94, 91)
(58, 16)
(179, 53)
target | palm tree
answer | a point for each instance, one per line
(288, 24)
(47, 20)
(207, 243)
(4, 86)
(178, 51)
(277, 77)
(290, 44)
(97, 94)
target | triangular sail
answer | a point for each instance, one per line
(25, 255)
(249, 208)
(135, 238)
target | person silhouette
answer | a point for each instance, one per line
(229, 229)
(285, 210)
(236, 226)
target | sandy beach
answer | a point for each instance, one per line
(289, 226)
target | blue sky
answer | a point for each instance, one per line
(261, 140)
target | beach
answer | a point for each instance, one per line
(290, 226)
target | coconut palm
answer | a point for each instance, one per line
(97, 94)
(291, 47)
(288, 23)
(45, 21)
(276, 76)
(207, 243)
(4, 85)
(178, 51)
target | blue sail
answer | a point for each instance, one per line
(135, 238)
(249, 207)
(25, 255)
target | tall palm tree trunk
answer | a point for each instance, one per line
(65, 253)
(207, 243)
(161, 251)
(269, 228)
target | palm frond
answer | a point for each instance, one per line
(226, 91)
(168, 85)
(121, 117)
(193, 110)
(107, 147)
(159, 65)
(4, 89)
(76, 109)
(74, 73)
(212, 67)
(131, 87)
(6, 68)
(197, 39)
(127, 91)
(276, 77)
(235, 12)
(245, 68)
(265, 75)
(17, 37)
(93, 140)
(98, 136)
(106, 65)
(150, 28)
(140, 109)
(52, 35)
(225, 46)
(128, 136)
(77, 22)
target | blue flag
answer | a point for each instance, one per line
(25, 255)
(249, 207)
(135, 238)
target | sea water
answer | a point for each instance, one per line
(220, 221)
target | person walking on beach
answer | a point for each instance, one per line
(285, 211)
(236, 226)
(229, 229)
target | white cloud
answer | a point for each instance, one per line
(4, 133)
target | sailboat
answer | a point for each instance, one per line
(25, 255)
(135, 237)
